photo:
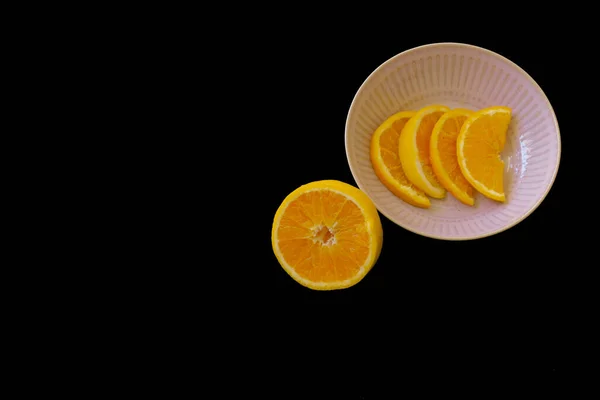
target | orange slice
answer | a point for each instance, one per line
(414, 150)
(479, 143)
(327, 235)
(386, 160)
(442, 152)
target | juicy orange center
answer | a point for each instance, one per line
(323, 236)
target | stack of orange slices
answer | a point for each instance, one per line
(425, 153)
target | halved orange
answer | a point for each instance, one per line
(442, 152)
(327, 235)
(479, 143)
(386, 160)
(414, 150)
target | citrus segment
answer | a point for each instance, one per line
(414, 150)
(479, 144)
(443, 155)
(327, 235)
(386, 160)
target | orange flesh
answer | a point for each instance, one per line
(423, 139)
(323, 236)
(389, 145)
(447, 148)
(482, 151)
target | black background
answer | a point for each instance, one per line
(525, 286)
(317, 82)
